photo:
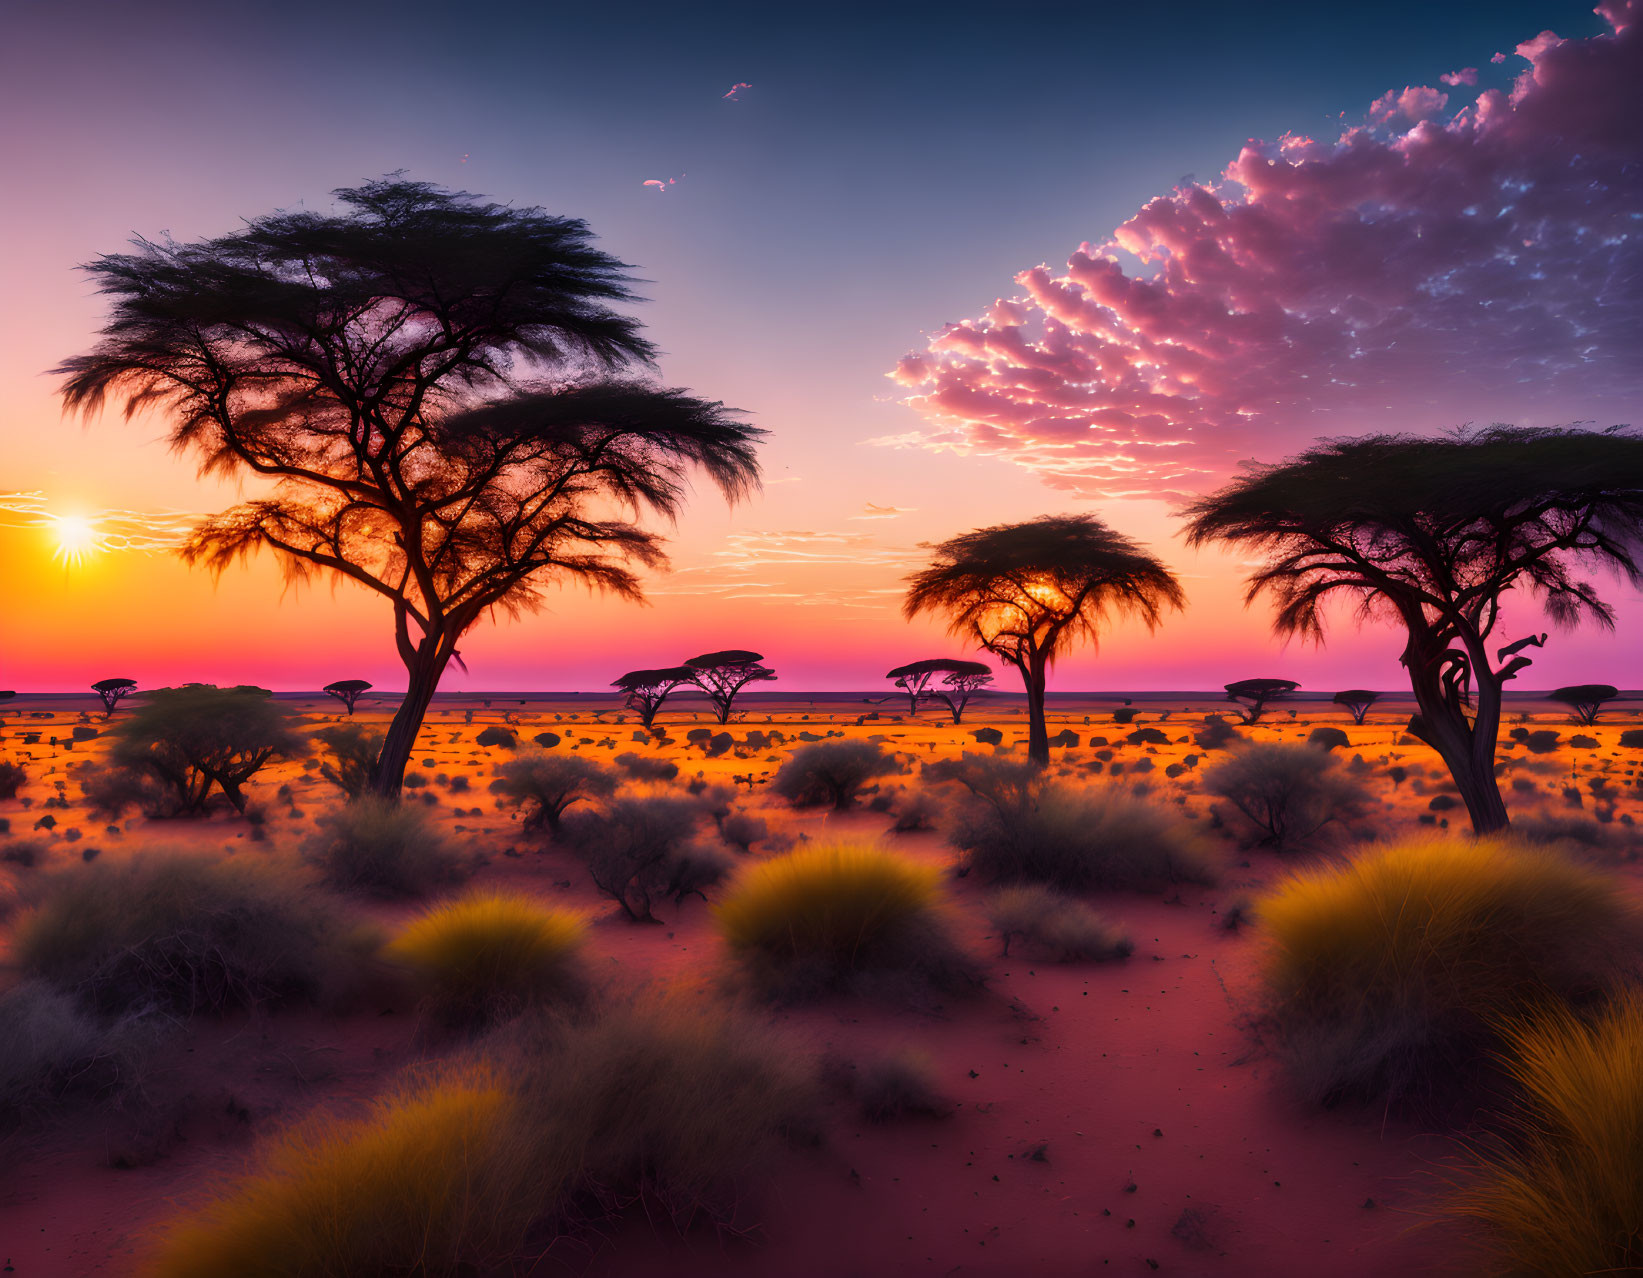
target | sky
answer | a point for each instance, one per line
(966, 264)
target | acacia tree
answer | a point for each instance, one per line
(962, 682)
(648, 689)
(914, 678)
(438, 391)
(1585, 699)
(1357, 701)
(1257, 692)
(347, 691)
(724, 674)
(1026, 592)
(112, 691)
(1433, 534)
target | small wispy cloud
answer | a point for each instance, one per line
(143, 531)
(736, 89)
(870, 511)
(661, 185)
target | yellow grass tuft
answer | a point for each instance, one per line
(1385, 973)
(1564, 1198)
(434, 1181)
(491, 953)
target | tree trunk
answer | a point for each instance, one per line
(1038, 734)
(1467, 747)
(432, 655)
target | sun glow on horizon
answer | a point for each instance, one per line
(77, 539)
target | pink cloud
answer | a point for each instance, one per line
(661, 186)
(1454, 79)
(736, 89)
(1415, 272)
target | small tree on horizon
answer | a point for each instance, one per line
(915, 676)
(112, 691)
(1026, 592)
(347, 691)
(647, 690)
(1256, 693)
(1433, 534)
(724, 674)
(438, 390)
(1585, 699)
(1357, 701)
(962, 683)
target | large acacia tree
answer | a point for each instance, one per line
(440, 393)
(1433, 535)
(1027, 592)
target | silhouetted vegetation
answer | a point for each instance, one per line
(643, 849)
(192, 738)
(1357, 701)
(1435, 533)
(12, 779)
(1252, 695)
(1287, 794)
(456, 429)
(353, 750)
(648, 690)
(959, 685)
(724, 674)
(347, 691)
(543, 785)
(831, 773)
(1052, 927)
(374, 845)
(112, 691)
(1585, 699)
(53, 1051)
(1026, 592)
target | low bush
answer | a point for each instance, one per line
(1385, 976)
(543, 785)
(1053, 927)
(643, 849)
(1079, 838)
(353, 750)
(742, 830)
(377, 845)
(642, 767)
(831, 772)
(1606, 844)
(486, 957)
(111, 792)
(1286, 794)
(901, 1084)
(52, 1050)
(829, 918)
(1562, 1197)
(185, 934)
(23, 853)
(914, 810)
(12, 778)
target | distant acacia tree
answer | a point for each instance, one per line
(1026, 592)
(112, 691)
(347, 691)
(1357, 701)
(724, 674)
(192, 738)
(435, 384)
(1433, 534)
(1585, 699)
(1252, 695)
(915, 676)
(960, 684)
(648, 689)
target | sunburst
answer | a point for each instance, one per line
(77, 539)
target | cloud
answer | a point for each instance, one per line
(870, 511)
(660, 185)
(1454, 79)
(736, 89)
(113, 530)
(1435, 263)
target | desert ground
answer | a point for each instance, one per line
(1104, 1117)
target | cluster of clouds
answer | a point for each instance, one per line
(1437, 262)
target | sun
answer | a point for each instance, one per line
(76, 538)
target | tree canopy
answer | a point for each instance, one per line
(347, 691)
(1585, 699)
(724, 674)
(439, 392)
(647, 690)
(112, 691)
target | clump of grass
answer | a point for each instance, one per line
(824, 918)
(1054, 927)
(185, 934)
(1286, 795)
(1562, 1196)
(438, 1180)
(899, 1084)
(543, 785)
(1078, 838)
(1384, 976)
(489, 956)
(831, 773)
(373, 844)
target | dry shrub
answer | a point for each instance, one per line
(1562, 1196)
(1053, 927)
(899, 1084)
(1021, 828)
(185, 934)
(373, 844)
(643, 767)
(438, 1180)
(12, 778)
(833, 917)
(1286, 794)
(831, 772)
(112, 792)
(353, 749)
(491, 955)
(643, 849)
(543, 785)
(52, 1050)
(1605, 844)
(1384, 976)
(742, 830)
